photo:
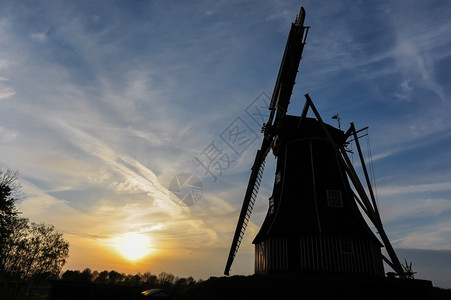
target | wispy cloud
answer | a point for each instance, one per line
(387, 191)
(6, 136)
(136, 176)
(6, 93)
(40, 37)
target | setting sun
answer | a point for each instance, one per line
(132, 246)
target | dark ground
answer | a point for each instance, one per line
(258, 287)
(311, 287)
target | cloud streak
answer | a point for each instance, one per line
(136, 176)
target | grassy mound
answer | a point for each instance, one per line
(311, 287)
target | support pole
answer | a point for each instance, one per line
(371, 212)
(365, 172)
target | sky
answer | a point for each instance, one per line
(104, 105)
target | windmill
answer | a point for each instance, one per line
(313, 223)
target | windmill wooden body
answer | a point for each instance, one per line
(313, 223)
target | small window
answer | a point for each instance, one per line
(261, 250)
(261, 247)
(334, 198)
(271, 205)
(278, 177)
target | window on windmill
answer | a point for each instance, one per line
(271, 205)
(278, 177)
(334, 198)
(346, 246)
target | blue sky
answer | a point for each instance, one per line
(103, 103)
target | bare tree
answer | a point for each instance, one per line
(37, 251)
(166, 280)
(149, 280)
(26, 250)
(10, 193)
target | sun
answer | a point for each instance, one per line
(133, 246)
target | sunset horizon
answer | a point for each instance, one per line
(120, 119)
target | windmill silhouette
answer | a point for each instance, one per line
(313, 223)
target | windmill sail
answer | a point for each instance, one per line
(246, 210)
(279, 104)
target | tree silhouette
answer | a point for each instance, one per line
(26, 250)
(132, 280)
(86, 275)
(102, 278)
(9, 220)
(166, 280)
(149, 280)
(116, 281)
(35, 251)
(71, 275)
(115, 277)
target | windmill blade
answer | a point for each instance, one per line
(248, 205)
(288, 68)
(278, 107)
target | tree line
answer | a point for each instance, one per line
(28, 251)
(147, 280)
